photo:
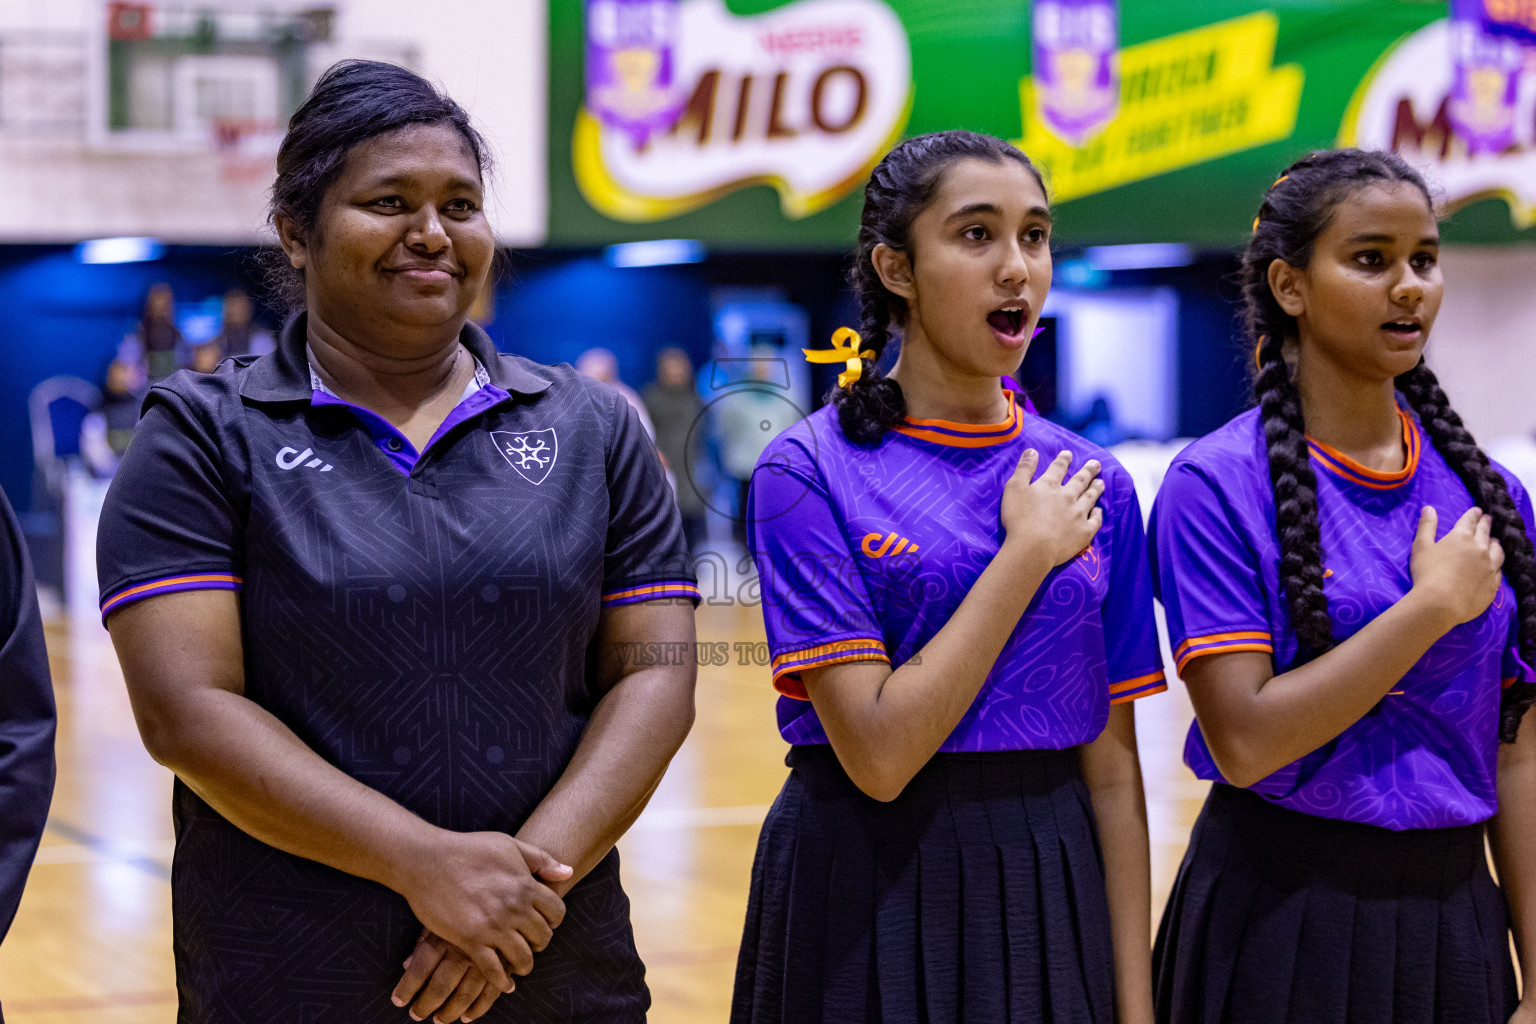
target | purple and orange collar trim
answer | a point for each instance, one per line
(1341, 465)
(968, 435)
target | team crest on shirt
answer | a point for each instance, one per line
(531, 452)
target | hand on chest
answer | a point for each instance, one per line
(1367, 554)
(919, 558)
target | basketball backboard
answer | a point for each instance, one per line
(184, 75)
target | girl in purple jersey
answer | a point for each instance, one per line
(963, 836)
(1352, 676)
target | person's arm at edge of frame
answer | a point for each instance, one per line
(1112, 772)
(1512, 837)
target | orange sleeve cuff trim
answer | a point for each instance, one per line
(1126, 698)
(787, 666)
(1135, 689)
(1222, 643)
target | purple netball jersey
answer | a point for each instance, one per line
(1424, 757)
(865, 553)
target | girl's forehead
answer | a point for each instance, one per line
(1394, 209)
(1006, 184)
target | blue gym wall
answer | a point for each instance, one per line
(552, 307)
(62, 317)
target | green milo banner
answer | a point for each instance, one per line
(754, 123)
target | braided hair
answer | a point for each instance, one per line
(901, 187)
(1296, 210)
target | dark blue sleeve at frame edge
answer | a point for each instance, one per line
(27, 718)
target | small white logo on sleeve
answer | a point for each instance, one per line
(291, 458)
(531, 452)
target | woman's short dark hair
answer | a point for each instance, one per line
(354, 101)
(1296, 210)
(901, 187)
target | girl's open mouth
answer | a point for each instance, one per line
(1008, 322)
(1403, 328)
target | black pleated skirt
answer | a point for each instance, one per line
(1280, 917)
(975, 896)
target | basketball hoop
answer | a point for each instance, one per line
(244, 147)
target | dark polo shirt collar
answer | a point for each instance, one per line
(282, 375)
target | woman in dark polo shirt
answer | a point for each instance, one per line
(372, 594)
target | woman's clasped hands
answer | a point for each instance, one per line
(487, 903)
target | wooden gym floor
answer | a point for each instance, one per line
(92, 941)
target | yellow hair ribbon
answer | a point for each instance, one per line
(1270, 189)
(845, 349)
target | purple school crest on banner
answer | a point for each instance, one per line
(1076, 77)
(1515, 19)
(632, 65)
(1486, 82)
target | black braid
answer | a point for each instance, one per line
(873, 404)
(900, 188)
(1489, 490)
(1295, 488)
(1295, 212)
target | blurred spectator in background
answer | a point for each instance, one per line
(746, 420)
(674, 406)
(106, 430)
(239, 334)
(603, 366)
(159, 336)
(1100, 426)
(206, 357)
